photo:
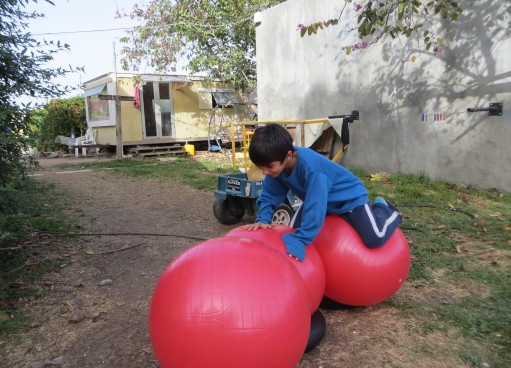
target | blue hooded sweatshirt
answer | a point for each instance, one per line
(324, 187)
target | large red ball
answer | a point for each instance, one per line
(311, 269)
(229, 303)
(357, 275)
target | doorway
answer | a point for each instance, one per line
(157, 110)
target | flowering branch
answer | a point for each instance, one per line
(397, 18)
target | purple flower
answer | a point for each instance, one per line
(358, 6)
(300, 26)
(360, 45)
(437, 50)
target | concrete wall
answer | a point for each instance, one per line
(312, 77)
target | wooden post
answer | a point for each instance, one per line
(118, 124)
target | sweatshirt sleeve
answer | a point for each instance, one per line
(273, 194)
(313, 215)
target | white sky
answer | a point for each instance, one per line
(92, 50)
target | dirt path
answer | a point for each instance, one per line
(88, 325)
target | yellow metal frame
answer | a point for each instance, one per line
(246, 135)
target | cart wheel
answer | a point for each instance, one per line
(282, 215)
(225, 214)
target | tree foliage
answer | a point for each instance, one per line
(396, 18)
(59, 117)
(22, 73)
(213, 37)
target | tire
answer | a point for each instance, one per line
(327, 303)
(282, 215)
(317, 330)
(225, 214)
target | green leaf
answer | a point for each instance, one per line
(401, 10)
(348, 50)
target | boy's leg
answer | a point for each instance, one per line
(374, 223)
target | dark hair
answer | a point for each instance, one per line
(270, 143)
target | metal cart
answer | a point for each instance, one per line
(237, 195)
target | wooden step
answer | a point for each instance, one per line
(161, 153)
(175, 147)
(158, 150)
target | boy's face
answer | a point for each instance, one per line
(275, 168)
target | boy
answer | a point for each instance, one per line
(325, 188)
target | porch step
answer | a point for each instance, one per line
(149, 150)
(160, 153)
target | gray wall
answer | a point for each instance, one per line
(311, 77)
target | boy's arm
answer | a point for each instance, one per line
(313, 215)
(273, 193)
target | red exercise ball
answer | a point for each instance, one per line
(229, 303)
(357, 275)
(311, 269)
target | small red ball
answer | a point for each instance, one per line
(357, 275)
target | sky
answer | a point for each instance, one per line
(94, 49)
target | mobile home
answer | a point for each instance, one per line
(157, 109)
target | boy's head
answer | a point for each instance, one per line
(270, 143)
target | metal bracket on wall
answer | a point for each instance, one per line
(353, 116)
(495, 109)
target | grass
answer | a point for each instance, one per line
(25, 206)
(460, 239)
(16, 322)
(198, 174)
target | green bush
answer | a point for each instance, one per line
(59, 117)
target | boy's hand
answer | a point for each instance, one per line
(294, 250)
(257, 225)
(295, 258)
